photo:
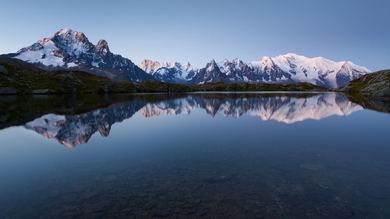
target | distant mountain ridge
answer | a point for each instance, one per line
(68, 49)
(289, 68)
(169, 72)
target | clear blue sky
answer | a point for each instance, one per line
(198, 31)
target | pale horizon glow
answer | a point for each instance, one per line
(197, 32)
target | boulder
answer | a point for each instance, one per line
(69, 80)
(10, 80)
(24, 72)
(7, 90)
(64, 77)
(3, 71)
(42, 91)
(385, 92)
(111, 84)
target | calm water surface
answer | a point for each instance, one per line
(257, 155)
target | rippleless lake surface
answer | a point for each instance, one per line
(245, 155)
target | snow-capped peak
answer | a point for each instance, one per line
(167, 71)
(149, 66)
(357, 67)
(315, 70)
(211, 66)
(102, 47)
(237, 61)
(72, 49)
(102, 43)
(63, 31)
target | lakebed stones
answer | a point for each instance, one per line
(109, 178)
(91, 194)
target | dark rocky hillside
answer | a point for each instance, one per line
(375, 85)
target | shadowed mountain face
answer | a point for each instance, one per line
(72, 130)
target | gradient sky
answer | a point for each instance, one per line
(198, 31)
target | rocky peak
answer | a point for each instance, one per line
(73, 43)
(102, 44)
(345, 69)
(211, 66)
(291, 55)
(189, 67)
(225, 62)
(165, 65)
(63, 31)
(102, 47)
(267, 61)
(149, 66)
(237, 61)
(43, 41)
(71, 35)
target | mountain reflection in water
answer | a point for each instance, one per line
(72, 130)
(215, 155)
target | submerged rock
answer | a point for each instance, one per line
(109, 178)
(310, 166)
(217, 177)
(90, 195)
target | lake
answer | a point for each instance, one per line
(195, 155)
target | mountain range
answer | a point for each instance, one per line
(72, 130)
(288, 68)
(68, 49)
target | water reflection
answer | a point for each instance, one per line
(72, 130)
(273, 156)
